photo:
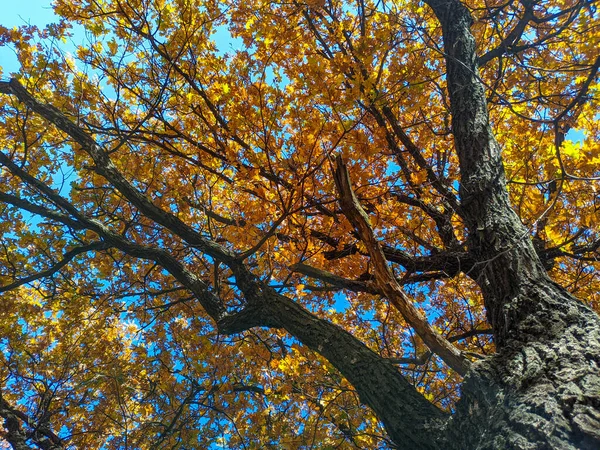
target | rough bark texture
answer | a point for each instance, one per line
(542, 389)
(409, 418)
(542, 394)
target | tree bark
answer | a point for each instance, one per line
(411, 421)
(542, 388)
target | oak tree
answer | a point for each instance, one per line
(303, 224)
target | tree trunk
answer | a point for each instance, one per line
(541, 392)
(542, 389)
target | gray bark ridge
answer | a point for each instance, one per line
(542, 389)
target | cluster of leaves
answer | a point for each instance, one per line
(228, 116)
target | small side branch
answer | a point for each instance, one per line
(67, 258)
(333, 279)
(336, 282)
(424, 357)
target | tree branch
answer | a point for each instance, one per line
(40, 435)
(210, 302)
(385, 279)
(423, 358)
(105, 167)
(67, 258)
(333, 279)
(336, 281)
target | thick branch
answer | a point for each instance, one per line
(408, 417)
(449, 262)
(106, 168)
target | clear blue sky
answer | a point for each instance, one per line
(36, 12)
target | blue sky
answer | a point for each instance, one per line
(36, 12)
(40, 13)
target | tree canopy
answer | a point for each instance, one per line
(255, 224)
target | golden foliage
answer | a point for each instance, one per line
(228, 115)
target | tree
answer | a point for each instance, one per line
(322, 236)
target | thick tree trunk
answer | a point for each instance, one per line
(542, 389)
(540, 392)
